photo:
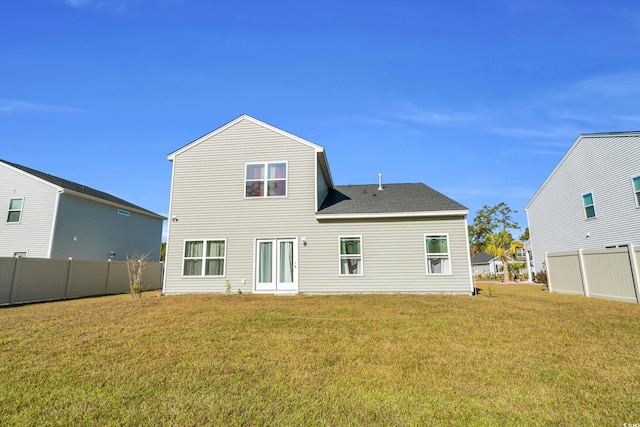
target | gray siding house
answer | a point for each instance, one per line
(591, 199)
(255, 208)
(50, 217)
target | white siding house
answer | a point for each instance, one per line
(255, 208)
(591, 199)
(50, 217)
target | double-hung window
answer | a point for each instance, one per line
(351, 256)
(589, 207)
(266, 179)
(636, 189)
(15, 209)
(204, 258)
(437, 253)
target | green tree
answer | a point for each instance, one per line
(490, 232)
(525, 236)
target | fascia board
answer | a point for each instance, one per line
(173, 155)
(108, 203)
(423, 214)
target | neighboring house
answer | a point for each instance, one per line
(591, 199)
(255, 207)
(484, 263)
(50, 217)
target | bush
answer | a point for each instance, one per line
(541, 277)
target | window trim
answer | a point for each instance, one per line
(265, 179)
(636, 193)
(449, 271)
(9, 210)
(341, 255)
(204, 258)
(16, 254)
(585, 206)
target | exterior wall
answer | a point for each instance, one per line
(207, 200)
(208, 203)
(599, 164)
(33, 233)
(323, 188)
(90, 230)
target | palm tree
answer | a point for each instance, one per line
(500, 245)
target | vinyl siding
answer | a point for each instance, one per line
(208, 202)
(33, 233)
(601, 165)
(99, 229)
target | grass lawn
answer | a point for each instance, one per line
(523, 357)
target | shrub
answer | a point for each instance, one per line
(541, 277)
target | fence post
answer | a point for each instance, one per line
(583, 274)
(548, 269)
(13, 279)
(66, 285)
(634, 272)
(106, 285)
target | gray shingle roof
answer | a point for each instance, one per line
(79, 188)
(481, 258)
(394, 198)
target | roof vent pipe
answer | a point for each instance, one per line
(380, 182)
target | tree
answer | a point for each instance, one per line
(525, 236)
(490, 233)
(136, 264)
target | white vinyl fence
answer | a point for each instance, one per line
(600, 273)
(41, 279)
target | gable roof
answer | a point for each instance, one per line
(321, 156)
(481, 258)
(80, 189)
(395, 200)
(580, 138)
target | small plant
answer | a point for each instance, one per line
(227, 288)
(136, 265)
(490, 290)
(541, 277)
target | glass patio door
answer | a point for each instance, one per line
(277, 265)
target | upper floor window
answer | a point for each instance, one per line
(266, 179)
(351, 256)
(437, 253)
(636, 189)
(15, 210)
(204, 258)
(589, 207)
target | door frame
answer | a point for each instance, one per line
(256, 259)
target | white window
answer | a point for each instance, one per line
(15, 210)
(636, 189)
(266, 179)
(350, 256)
(437, 253)
(204, 258)
(19, 254)
(589, 207)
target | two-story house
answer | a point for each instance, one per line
(255, 208)
(591, 199)
(50, 217)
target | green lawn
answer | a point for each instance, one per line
(522, 357)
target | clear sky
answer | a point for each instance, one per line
(477, 99)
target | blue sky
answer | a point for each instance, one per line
(477, 99)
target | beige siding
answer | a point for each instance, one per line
(603, 166)
(33, 233)
(208, 203)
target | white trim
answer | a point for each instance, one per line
(204, 259)
(636, 194)
(584, 207)
(340, 255)
(265, 179)
(211, 134)
(275, 271)
(54, 223)
(426, 258)
(166, 248)
(393, 214)
(9, 210)
(466, 235)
